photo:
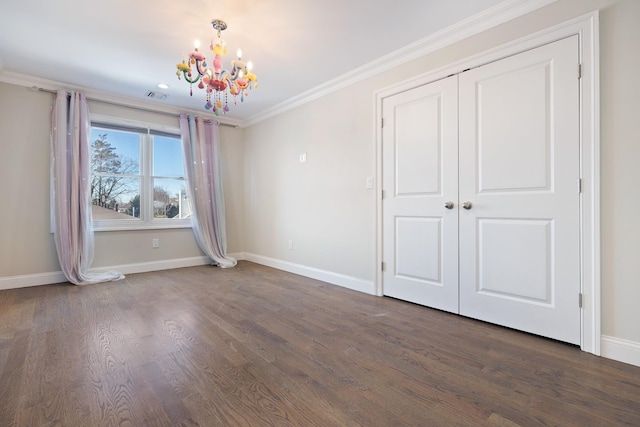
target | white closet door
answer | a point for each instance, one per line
(519, 169)
(420, 175)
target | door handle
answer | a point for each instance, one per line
(448, 205)
(467, 205)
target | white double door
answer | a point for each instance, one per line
(481, 193)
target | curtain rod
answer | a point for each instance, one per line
(147, 110)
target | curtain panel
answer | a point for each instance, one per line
(70, 171)
(201, 145)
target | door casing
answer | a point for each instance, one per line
(586, 27)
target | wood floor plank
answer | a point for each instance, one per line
(251, 345)
(11, 378)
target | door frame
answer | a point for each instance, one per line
(587, 29)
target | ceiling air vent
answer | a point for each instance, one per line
(156, 95)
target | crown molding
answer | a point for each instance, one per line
(40, 84)
(485, 20)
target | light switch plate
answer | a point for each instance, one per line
(369, 182)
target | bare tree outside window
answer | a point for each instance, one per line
(107, 190)
(115, 181)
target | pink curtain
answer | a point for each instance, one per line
(70, 158)
(201, 145)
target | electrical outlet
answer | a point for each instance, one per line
(290, 245)
(155, 243)
(303, 158)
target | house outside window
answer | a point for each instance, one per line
(137, 176)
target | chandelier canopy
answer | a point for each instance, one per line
(217, 82)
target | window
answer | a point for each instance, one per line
(137, 177)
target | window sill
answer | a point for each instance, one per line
(133, 225)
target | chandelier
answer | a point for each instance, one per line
(219, 84)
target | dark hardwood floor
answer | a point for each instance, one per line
(253, 346)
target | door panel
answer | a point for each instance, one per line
(419, 262)
(417, 146)
(519, 168)
(420, 173)
(515, 259)
(522, 138)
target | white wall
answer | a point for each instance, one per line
(620, 92)
(26, 245)
(321, 205)
(325, 209)
(27, 251)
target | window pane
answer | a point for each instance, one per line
(115, 197)
(170, 199)
(127, 162)
(115, 152)
(167, 157)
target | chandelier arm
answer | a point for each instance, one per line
(201, 69)
(191, 80)
(230, 75)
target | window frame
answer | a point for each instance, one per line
(146, 221)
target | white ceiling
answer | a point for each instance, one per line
(127, 47)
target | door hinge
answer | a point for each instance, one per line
(382, 122)
(580, 300)
(579, 71)
(579, 185)
(382, 194)
(382, 266)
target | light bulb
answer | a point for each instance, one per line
(239, 53)
(196, 43)
(249, 65)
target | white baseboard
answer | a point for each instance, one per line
(38, 279)
(315, 273)
(620, 350)
(143, 267)
(239, 256)
(27, 280)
